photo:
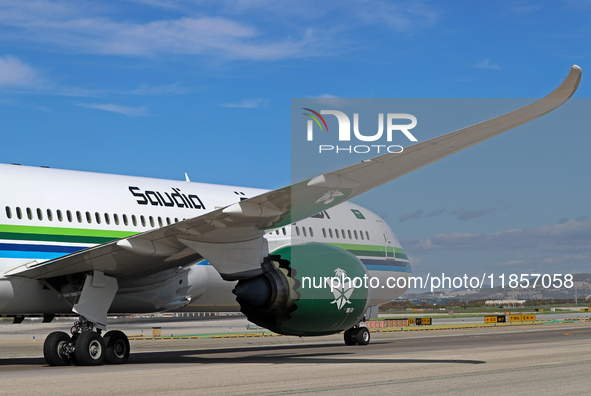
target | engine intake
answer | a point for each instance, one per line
(304, 291)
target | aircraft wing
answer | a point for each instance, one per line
(242, 224)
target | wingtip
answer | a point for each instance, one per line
(569, 86)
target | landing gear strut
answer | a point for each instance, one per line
(357, 335)
(85, 347)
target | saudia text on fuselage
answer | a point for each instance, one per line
(171, 199)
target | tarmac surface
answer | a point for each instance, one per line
(540, 359)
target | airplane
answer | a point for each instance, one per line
(91, 245)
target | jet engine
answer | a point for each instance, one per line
(305, 290)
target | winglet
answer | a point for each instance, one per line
(569, 85)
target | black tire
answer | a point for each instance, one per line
(116, 347)
(53, 349)
(351, 336)
(90, 349)
(363, 336)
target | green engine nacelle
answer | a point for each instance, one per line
(305, 290)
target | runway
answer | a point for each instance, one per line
(542, 359)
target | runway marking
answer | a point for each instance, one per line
(572, 333)
(461, 376)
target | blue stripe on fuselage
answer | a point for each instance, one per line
(35, 251)
(386, 265)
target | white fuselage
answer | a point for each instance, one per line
(48, 213)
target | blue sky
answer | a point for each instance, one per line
(158, 88)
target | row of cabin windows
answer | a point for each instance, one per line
(80, 217)
(348, 234)
(283, 231)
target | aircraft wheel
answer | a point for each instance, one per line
(116, 347)
(54, 349)
(363, 336)
(90, 349)
(351, 336)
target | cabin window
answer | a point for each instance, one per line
(324, 232)
(69, 216)
(125, 220)
(304, 231)
(133, 220)
(297, 231)
(349, 232)
(8, 212)
(116, 218)
(107, 218)
(330, 232)
(29, 214)
(143, 220)
(88, 217)
(79, 216)
(19, 213)
(160, 224)
(60, 217)
(283, 229)
(355, 233)
(49, 215)
(311, 232)
(343, 233)
(336, 233)
(97, 216)
(168, 221)
(361, 235)
(151, 222)
(39, 214)
(176, 220)
(367, 235)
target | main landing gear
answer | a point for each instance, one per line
(357, 336)
(86, 346)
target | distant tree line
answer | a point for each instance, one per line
(461, 304)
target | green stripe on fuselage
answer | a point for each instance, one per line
(372, 250)
(57, 234)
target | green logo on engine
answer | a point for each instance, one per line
(343, 289)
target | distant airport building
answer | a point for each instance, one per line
(505, 303)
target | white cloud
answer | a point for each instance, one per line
(326, 96)
(571, 236)
(420, 214)
(524, 9)
(65, 27)
(465, 214)
(416, 215)
(215, 29)
(128, 111)
(398, 16)
(14, 73)
(486, 64)
(167, 89)
(256, 103)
